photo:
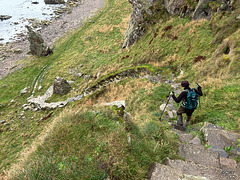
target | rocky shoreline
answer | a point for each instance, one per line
(12, 52)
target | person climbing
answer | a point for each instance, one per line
(189, 98)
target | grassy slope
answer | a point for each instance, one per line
(90, 141)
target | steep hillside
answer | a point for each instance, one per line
(89, 139)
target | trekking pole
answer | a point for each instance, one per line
(199, 104)
(199, 99)
(165, 106)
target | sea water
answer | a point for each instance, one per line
(21, 10)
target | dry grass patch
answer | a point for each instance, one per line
(116, 91)
(170, 60)
(191, 25)
(106, 28)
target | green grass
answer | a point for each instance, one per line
(89, 142)
(93, 145)
(225, 102)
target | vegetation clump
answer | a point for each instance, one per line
(92, 142)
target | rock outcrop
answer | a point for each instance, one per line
(175, 7)
(136, 28)
(37, 45)
(54, 1)
(4, 17)
(202, 10)
(61, 86)
(196, 9)
(24, 91)
(144, 10)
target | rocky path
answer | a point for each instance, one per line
(15, 51)
(38, 103)
(199, 162)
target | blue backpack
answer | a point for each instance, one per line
(192, 100)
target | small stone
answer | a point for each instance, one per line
(70, 82)
(24, 91)
(6, 124)
(35, 110)
(229, 163)
(88, 38)
(26, 108)
(17, 51)
(12, 101)
(54, 1)
(2, 121)
(196, 141)
(170, 114)
(183, 136)
(220, 151)
(35, 2)
(236, 150)
(25, 105)
(4, 17)
(86, 77)
(162, 107)
(79, 74)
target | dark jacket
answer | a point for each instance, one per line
(183, 95)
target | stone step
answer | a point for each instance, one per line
(213, 173)
(165, 172)
(199, 155)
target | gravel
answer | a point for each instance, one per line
(50, 33)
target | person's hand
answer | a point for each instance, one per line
(198, 85)
(172, 93)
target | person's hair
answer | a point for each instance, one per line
(184, 83)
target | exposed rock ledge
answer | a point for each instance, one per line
(146, 9)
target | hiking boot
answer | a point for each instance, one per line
(187, 120)
(180, 122)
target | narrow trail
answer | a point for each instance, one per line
(39, 102)
(199, 162)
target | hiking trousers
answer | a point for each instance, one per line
(182, 110)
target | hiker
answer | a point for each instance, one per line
(189, 98)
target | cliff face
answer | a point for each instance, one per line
(145, 9)
(141, 9)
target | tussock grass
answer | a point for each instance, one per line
(90, 140)
(92, 144)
